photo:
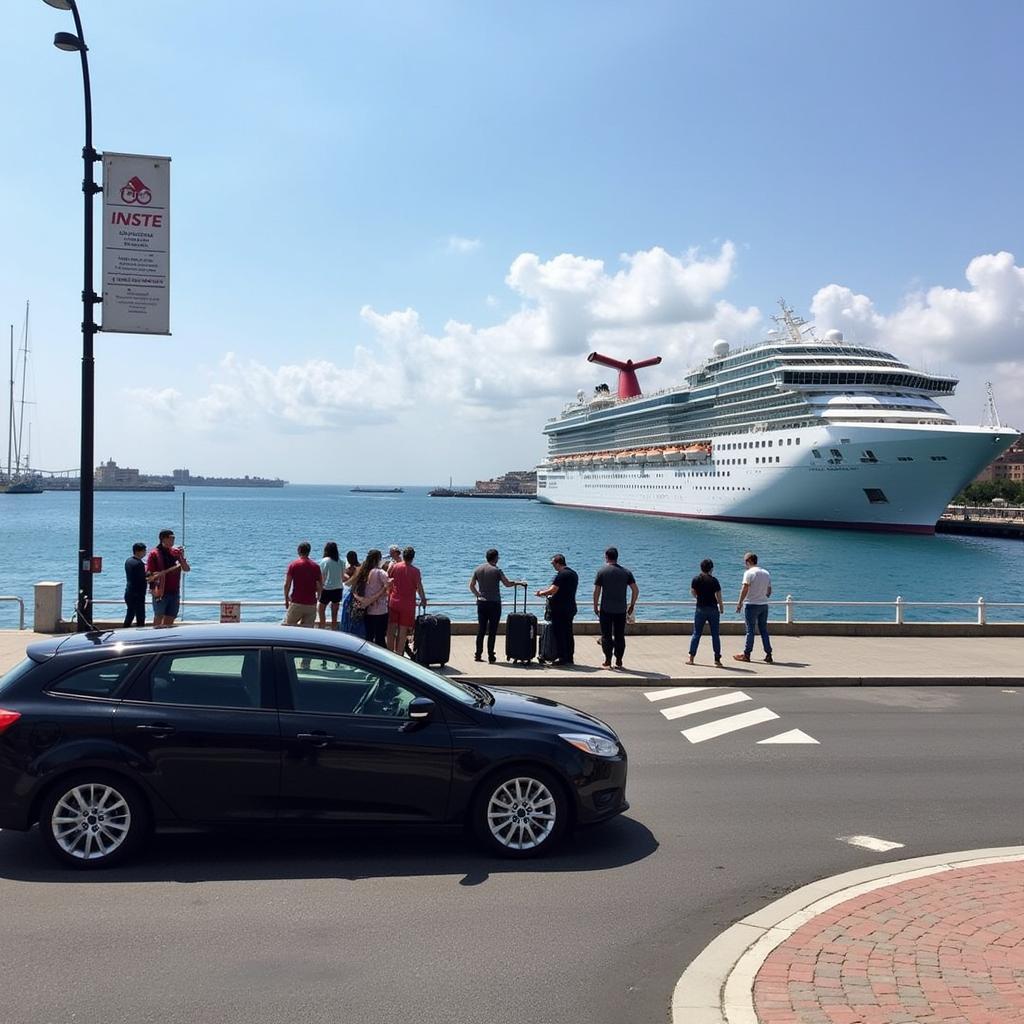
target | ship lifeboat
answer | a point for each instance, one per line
(654, 455)
(672, 454)
(696, 452)
(625, 459)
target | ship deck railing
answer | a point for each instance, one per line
(683, 610)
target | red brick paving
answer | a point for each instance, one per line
(944, 949)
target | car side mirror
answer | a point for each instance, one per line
(421, 711)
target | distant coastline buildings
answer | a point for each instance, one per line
(111, 477)
(518, 481)
(1008, 466)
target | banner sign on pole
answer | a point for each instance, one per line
(136, 243)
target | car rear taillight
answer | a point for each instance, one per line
(7, 719)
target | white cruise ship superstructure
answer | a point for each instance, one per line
(796, 430)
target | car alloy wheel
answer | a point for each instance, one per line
(92, 820)
(521, 813)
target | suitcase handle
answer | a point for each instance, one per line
(515, 595)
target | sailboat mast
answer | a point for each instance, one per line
(21, 414)
(10, 412)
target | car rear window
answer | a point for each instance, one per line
(10, 677)
(98, 680)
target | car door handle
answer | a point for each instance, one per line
(157, 728)
(318, 739)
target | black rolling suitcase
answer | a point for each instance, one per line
(520, 632)
(432, 641)
(547, 650)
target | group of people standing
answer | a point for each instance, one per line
(160, 575)
(375, 598)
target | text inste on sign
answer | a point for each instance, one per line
(230, 611)
(136, 243)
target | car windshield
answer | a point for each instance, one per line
(449, 687)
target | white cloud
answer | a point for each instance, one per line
(980, 325)
(465, 386)
(458, 244)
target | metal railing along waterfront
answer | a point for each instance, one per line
(683, 610)
(21, 609)
(1014, 513)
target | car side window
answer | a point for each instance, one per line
(331, 686)
(221, 679)
(99, 680)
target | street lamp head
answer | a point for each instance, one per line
(67, 41)
(61, 5)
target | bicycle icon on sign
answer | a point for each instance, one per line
(136, 192)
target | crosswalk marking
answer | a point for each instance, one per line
(700, 733)
(697, 706)
(678, 691)
(871, 843)
(793, 736)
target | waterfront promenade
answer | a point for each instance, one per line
(799, 661)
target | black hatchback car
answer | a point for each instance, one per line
(104, 736)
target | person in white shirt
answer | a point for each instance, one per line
(757, 588)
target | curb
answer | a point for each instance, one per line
(717, 987)
(568, 679)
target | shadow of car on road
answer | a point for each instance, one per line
(343, 852)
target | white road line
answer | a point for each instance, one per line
(700, 733)
(870, 843)
(793, 736)
(696, 706)
(678, 691)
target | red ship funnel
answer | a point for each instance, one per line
(629, 386)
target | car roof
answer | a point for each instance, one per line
(144, 641)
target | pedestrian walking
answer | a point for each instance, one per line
(561, 597)
(164, 566)
(406, 586)
(303, 583)
(708, 593)
(331, 571)
(370, 587)
(135, 586)
(756, 589)
(485, 585)
(612, 607)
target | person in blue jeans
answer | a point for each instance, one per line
(708, 592)
(757, 588)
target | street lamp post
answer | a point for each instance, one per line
(83, 605)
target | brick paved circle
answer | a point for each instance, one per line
(944, 949)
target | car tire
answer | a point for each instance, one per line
(93, 819)
(520, 812)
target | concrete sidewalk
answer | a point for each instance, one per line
(932, 940)
(799, 661)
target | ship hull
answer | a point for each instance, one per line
(881, 477)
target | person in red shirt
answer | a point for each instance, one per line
(406, 585)
(164, 566)
(302, 585)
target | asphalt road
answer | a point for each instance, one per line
(361, 928)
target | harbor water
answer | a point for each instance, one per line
(240, 540)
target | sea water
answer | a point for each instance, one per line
(240, 540)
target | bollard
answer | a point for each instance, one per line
(899, 610)
(981, 611)
(49, 599)
(789, 609)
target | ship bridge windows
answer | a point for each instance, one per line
(868, 456)
(876, 496)
(816, 453)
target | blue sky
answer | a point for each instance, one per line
(336, 163)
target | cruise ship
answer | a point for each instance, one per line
(796, 430)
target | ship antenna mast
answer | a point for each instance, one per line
(990, 417)
(795, 326)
